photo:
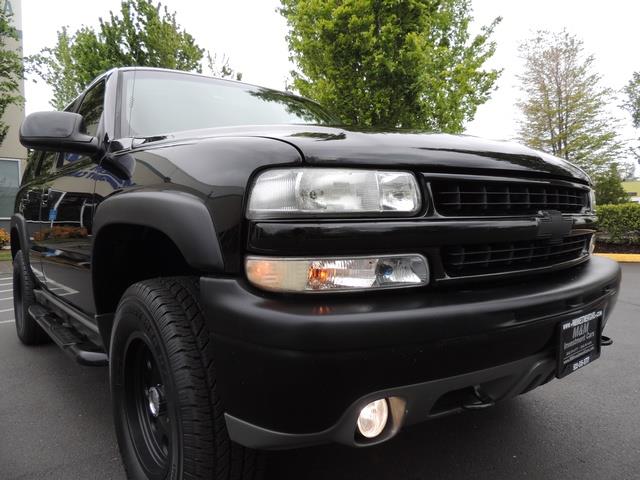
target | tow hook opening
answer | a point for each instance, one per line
(473, 397)
(605, 341)
(481, 400)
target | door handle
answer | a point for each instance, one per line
(45, 196)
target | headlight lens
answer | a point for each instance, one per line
(300, 192)
(337, 274)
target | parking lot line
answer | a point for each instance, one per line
(6, 322)
(6, 298)
(6, 310)
(5, 291)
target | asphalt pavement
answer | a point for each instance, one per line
(55, 421)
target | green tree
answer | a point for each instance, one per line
(609, 187)
(11, 69)
(632, 104)
(564, 106)
(632, 90)
(390, 63)
(142, 34)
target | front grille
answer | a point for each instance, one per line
(487, 197)
(466, 260)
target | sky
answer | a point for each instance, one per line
(252, 34)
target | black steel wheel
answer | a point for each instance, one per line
(146, 410)
(28, 330)
(168, 418)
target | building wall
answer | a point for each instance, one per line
(11, 152)
(633, 190)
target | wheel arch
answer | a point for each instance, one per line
(19, 237)
(147, 234)
(182, 217)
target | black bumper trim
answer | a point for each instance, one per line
(500, 383)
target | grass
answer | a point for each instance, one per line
(5, 255)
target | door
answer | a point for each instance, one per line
(68, 207)
(29, 202)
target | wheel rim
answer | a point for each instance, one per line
(18, 307)
(146, 409)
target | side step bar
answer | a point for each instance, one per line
(67, 338)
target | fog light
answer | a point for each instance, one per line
(337, 274)
(373, 418)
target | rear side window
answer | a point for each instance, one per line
(92, 107)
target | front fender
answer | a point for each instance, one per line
(182, 217)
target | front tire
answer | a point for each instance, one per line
(168, 417)
(28, 330)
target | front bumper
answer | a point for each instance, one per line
(296, 370)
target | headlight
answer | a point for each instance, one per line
(297, 192)
(337, 274)
(592, 199)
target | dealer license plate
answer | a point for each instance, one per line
(579, 342)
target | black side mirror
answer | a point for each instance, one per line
(57, 132)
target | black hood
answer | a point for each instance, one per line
(403, 149)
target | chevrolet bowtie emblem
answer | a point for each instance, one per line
(552, 225)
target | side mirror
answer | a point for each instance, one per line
(57, 132)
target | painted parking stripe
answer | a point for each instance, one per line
(6, 284)
(6, 310)
(6, 291)
(5, 299)
(5, 322)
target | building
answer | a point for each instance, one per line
(633, 190)
(12, 155)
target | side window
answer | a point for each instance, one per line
(48, 163)
(31, 170)
(91, 108)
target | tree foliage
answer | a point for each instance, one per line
(142, 34)
(632, 104)
(632, 90)
(609, 188)
(385, 63)
(564, 105)
(11, 69)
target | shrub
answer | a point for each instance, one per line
(620, 223)
(4, 237)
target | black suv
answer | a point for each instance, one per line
(257, 277)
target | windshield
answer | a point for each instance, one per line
(156, 103)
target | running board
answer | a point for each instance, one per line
(68, 339)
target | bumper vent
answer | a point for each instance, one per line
(467, 260)
(485, 197)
